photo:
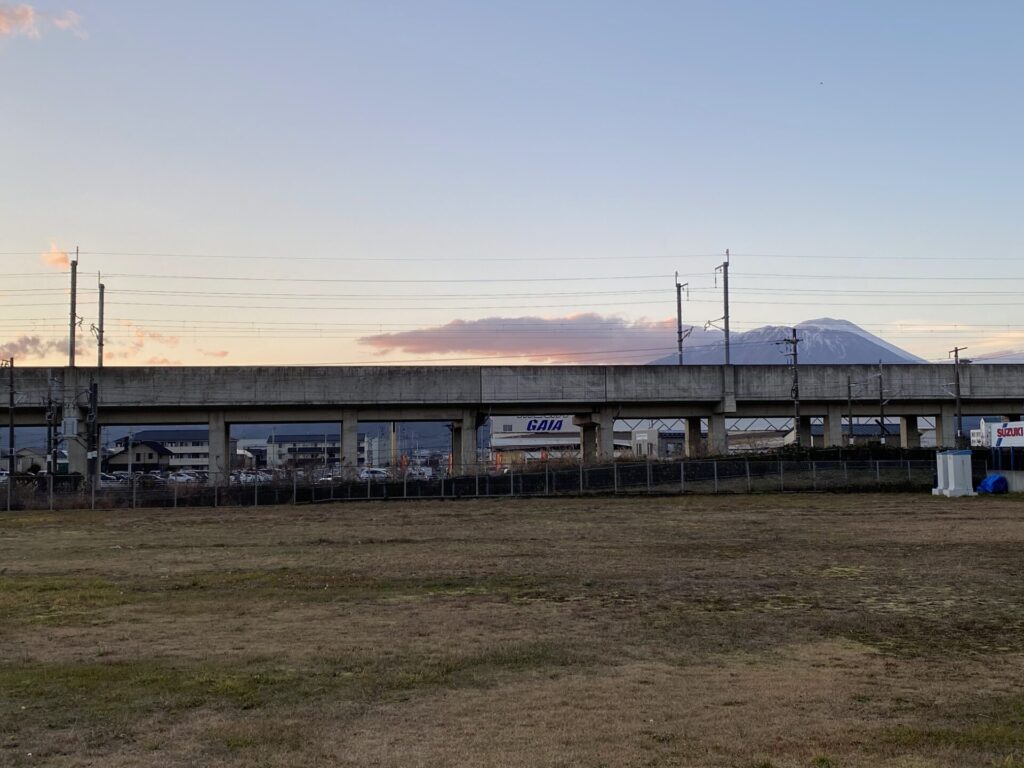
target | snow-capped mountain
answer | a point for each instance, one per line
(822, 341)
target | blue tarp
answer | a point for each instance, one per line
(993, 484)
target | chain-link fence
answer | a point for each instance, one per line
(728, 475)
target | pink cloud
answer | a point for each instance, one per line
(69, 21)
(32, 348)
(214, 353)
(19, 20)
(587, 338)
(23, 20)
(162, 361)
(55, 257)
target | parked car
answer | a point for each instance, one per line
(371, 473)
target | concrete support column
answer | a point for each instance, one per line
(464, 444)
(803, 429)
(718, 440)
(349, 444)
(910, 432)
(945, 427)
(834, 427)
(693, 440)
(605, 434)
(588, 442)
(457, 442)
(220, 448)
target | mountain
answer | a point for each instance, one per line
(822, 341)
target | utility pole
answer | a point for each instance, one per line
(74, 310)
(849, 411)
(724, 268)
(680, 336)
(793, 343)
(955, 352)
(93, 430)
(11, 463)
(99, 329)
(882, 432)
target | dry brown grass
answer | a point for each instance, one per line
(745, 632)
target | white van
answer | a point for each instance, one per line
(369, 473)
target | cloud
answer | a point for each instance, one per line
(24, 20)
(69, 21)
(55, 257)
(577, 338)
(31, 347)
(214, 353)
(162, 361)
(19, 20)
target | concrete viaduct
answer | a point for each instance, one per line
(466, 396)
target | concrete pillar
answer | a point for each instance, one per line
(349, 444)
(605, 434)
(945, 427)
(588, 442)
(910, 432)
(718, 440)
(220, 448)
(694, 441)
(804, 431)
(467, 455)
(834, 427)
(457, 450)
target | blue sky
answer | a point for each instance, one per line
(503, 142)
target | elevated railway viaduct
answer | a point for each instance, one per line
(466, 395)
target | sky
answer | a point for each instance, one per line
(465, 182)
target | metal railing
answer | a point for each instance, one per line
(726, 475)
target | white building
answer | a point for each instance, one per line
(310, 449)
(189, 448)
(522, 439)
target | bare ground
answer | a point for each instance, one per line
(751, 631)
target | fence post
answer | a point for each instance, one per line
(782, 476)
(368, 489)
(648, 476)
(215, 486)
(295, 487)
(95, 479)
(256, 492)
(511, 482)
(615, 476)
(581, 478)
(814, 475)
(405, 485)
(878, 473)
(715, 463)
(175, 495)
(477, 482)
(746, 463)
(135, 488)
(49, 479)
(910, 478)
(846, 475)
(547, 490)
(682, 476)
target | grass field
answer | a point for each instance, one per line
(811, 630)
